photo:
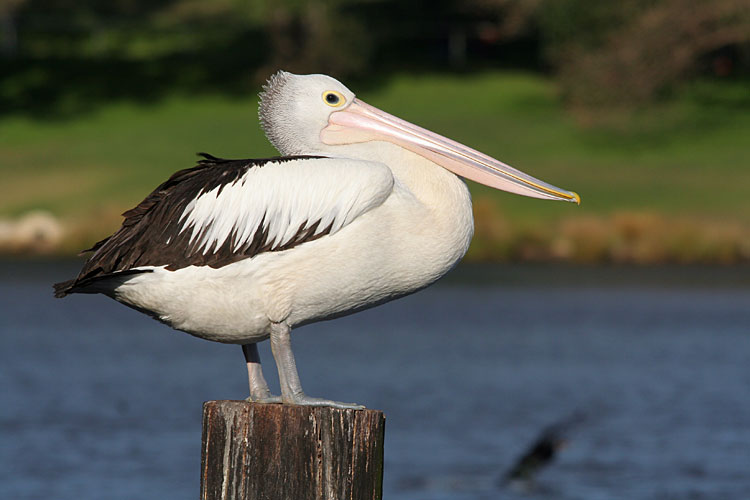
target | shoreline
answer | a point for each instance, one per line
(630, 238)
(21, 269)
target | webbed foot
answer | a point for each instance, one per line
(264, 399)
(291, 389)
(305, 400)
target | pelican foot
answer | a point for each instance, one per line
(305, 400)
(264, 399)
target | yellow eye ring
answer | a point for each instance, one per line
(333, 98)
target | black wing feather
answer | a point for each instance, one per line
(142, 238)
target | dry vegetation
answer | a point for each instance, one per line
(619, 238)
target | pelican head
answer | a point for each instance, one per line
(304, 114)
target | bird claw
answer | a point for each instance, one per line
(267, 399)
(305, 400)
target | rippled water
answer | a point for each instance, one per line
(99, 401)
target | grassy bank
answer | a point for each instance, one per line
(669, 183)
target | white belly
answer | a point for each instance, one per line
(396, 249)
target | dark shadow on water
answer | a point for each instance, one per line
(483, 274)
(567, 275)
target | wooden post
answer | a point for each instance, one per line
(280, 452)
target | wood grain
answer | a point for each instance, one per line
(279, 452)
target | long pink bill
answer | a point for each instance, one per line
(360, 122)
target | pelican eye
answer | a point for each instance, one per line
(333, 98)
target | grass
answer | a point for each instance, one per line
(686, 160)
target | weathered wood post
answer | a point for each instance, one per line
(287, 452)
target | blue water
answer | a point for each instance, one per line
(99, 401)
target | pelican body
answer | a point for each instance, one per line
(360, 208)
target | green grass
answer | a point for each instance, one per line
(687, 158)
(684, 158)
(117, 154)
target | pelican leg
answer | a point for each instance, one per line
(259, 391)
(291, 388)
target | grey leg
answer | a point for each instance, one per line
(291, 389)
(259, 391)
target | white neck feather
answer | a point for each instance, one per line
(444, 195)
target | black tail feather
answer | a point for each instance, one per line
(77, 285)
(63, 288)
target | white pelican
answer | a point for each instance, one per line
(361, 208)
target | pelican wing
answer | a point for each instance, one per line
(222, 211)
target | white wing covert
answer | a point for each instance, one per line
(280, 202)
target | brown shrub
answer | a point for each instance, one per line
(662, 43)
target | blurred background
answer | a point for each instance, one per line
(619, 327)
(640, 106)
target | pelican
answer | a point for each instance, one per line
(360, 208)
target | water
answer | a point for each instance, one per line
(99, 401)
